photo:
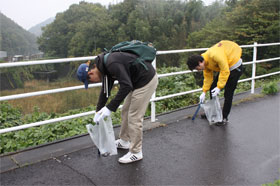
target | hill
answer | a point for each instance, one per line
(37, 29)
(16, 40)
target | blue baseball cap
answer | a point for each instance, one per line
(82, 74)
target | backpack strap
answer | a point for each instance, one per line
(137, 60)
(106, 57)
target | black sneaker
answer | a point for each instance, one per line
(222, 123)
(203, 116)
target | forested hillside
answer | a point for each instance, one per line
(86, 28)
(37, 29)
(245, 22)
(15, 40)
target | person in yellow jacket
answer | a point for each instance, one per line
(225, 58)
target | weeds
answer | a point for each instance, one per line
(270, 88)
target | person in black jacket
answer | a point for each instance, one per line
(137, 84)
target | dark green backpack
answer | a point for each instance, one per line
(144, 50)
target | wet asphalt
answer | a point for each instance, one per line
(176, 150)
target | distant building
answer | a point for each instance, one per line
(17, 58)
(36, 56)
(3, 54)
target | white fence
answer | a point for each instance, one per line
(153, 99)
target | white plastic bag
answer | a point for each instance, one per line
(213, 110)
(103, 136)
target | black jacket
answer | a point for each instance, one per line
(119, 66)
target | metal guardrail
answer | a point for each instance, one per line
(153, 99)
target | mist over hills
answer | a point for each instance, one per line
(37, 29)
(15, 40)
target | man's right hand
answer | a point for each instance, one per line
(96, 116)
(104, 112)
(202, 97)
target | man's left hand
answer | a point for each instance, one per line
(215, 92)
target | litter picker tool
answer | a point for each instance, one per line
(193, 118)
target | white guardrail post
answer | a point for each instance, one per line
(254, 68)
(153, 103)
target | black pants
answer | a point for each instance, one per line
(229, 89)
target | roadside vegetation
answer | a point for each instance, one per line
(11, 116)
(270, 88)
(275, 183)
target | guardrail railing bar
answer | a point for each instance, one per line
(64, 60)
(261, 61)
(52, 91)
(45, 122)
(176, 94)
(174, 73)
(260, 45)
(265, 75)
(38, 93)
(180, 51)
(258, 77)
(266, 60)
(48, 61)
(267, 44)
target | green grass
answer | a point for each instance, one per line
(275, 183)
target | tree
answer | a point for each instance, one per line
(81, 30)
(245, 22)
(249, 21)
(86, 28)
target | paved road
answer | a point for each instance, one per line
(177, 152)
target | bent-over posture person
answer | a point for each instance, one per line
(225, 58)
(137, 84)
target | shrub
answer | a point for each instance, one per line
(270, 88)
(276, 183)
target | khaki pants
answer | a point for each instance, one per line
(133, 111)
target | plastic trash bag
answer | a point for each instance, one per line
(213, 110)
(103, 136)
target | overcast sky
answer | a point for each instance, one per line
(28, 13)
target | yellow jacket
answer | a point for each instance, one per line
(220, 58)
